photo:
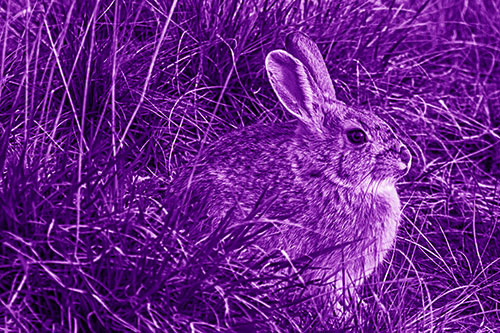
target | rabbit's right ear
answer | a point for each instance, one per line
(304, 49)
(296, 89)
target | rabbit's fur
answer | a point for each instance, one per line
(325, 192)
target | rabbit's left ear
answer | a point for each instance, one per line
(296, 89)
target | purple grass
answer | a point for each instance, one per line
(102, 103)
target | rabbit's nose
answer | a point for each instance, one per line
(405, 156)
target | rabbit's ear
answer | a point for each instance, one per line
(304, 49)
(295, 88)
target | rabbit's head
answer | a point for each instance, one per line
(354, 147)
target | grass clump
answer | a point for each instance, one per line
(102, 101)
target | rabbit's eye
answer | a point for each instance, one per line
(356, 136)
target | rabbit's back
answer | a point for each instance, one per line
(239, 167)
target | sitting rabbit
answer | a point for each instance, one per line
(329, 174)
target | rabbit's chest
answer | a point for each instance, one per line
(371, 214)
(387, 204)
(381, 216)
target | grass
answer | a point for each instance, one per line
(101, 102)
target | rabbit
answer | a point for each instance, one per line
(329, 174)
